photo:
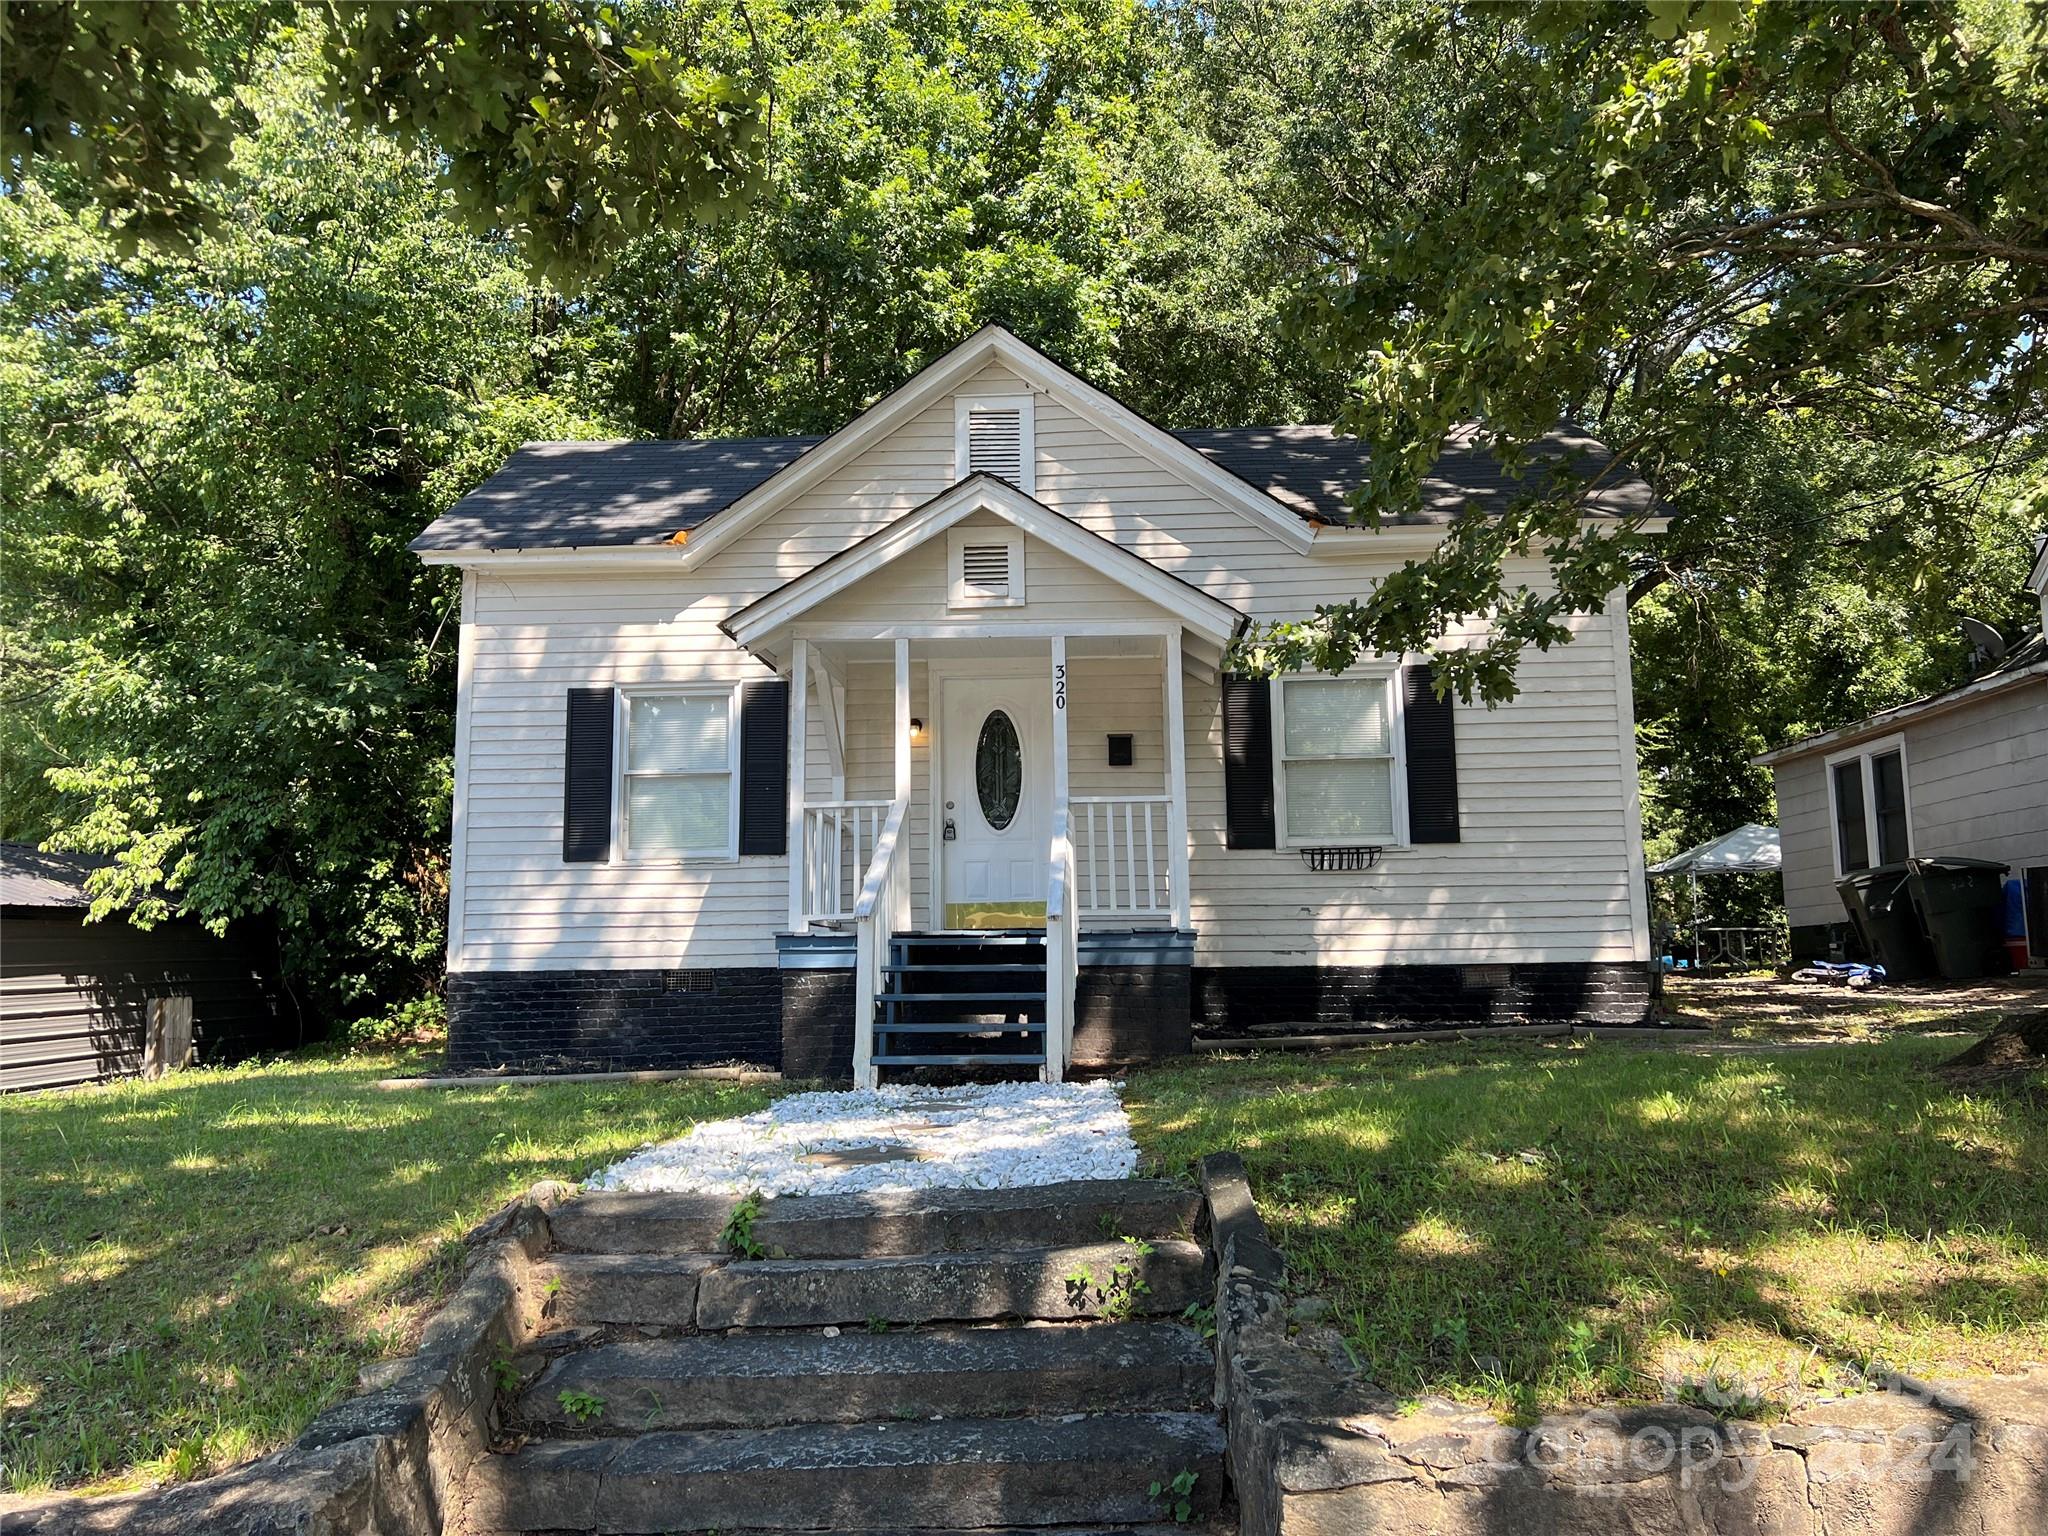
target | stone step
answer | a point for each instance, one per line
(719, 1381)
(630, 1221)
(857, 1226)
(1059, 1284)
(951, 1475)
(1221, 1524)
(645, 1289)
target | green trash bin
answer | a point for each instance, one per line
(1882, 910)
(1961, 905)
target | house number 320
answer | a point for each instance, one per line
(1059, 686)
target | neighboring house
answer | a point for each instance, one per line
(83, 1001)
(1963, 772)
(809, 751)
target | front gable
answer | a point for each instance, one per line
(917, 441)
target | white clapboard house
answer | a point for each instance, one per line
(916, 743)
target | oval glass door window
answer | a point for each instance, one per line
(998, 770)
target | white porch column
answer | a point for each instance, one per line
(799, 853)
(1062, 928)
(1059, 723)
(899, 890)
(1176, 784)
(902, 790)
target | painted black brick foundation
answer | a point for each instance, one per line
(817, 1024)
(1291, 999)
(612, 1021)
(1125, 1015)
(801, 1020)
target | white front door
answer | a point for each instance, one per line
(995, 799)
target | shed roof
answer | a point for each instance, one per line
(591, 494)
(30, 877)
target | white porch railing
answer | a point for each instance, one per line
(881, 911)
(1062, 950)
(839, 841)
(1122, 854)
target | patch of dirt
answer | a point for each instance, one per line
(1767, 1009)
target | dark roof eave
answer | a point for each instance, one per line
(563, 496)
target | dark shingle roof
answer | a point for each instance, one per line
(571, 495)
(1312, 471)
(30, 877)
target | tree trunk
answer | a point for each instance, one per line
(2019, 1045)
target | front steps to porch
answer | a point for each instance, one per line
(963, 1000)
(946, 1361)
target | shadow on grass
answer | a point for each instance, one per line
(194, 1268)
(1528, 1226)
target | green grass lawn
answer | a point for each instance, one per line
(192, 1269)
(1521, 1225)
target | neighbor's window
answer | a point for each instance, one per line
(1852, 834)
(1337, 758)
(680, 776)
(1867, 793)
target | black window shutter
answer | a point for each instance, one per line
(1247, 762)
(587, 778)
(1432, 743)
(764, 767)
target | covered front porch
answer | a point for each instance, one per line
(977, 792)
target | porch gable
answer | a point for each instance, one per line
(916, 546)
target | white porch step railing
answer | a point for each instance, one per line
(839, 841)
(1122, 855)
(1062, 951)
(881, 911)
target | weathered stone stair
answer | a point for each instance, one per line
(951, 1361)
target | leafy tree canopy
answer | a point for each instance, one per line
(933, 169)
(224, 667)
(563, 121)
(1670, 218)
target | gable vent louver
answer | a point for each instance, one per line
(995, 444)
(985, 570)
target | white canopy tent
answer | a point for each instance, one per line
(1748, 850)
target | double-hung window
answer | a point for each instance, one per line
(1340, 759)
(1867, 805)
(681, 791)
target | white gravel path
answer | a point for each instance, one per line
(987, 1136)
